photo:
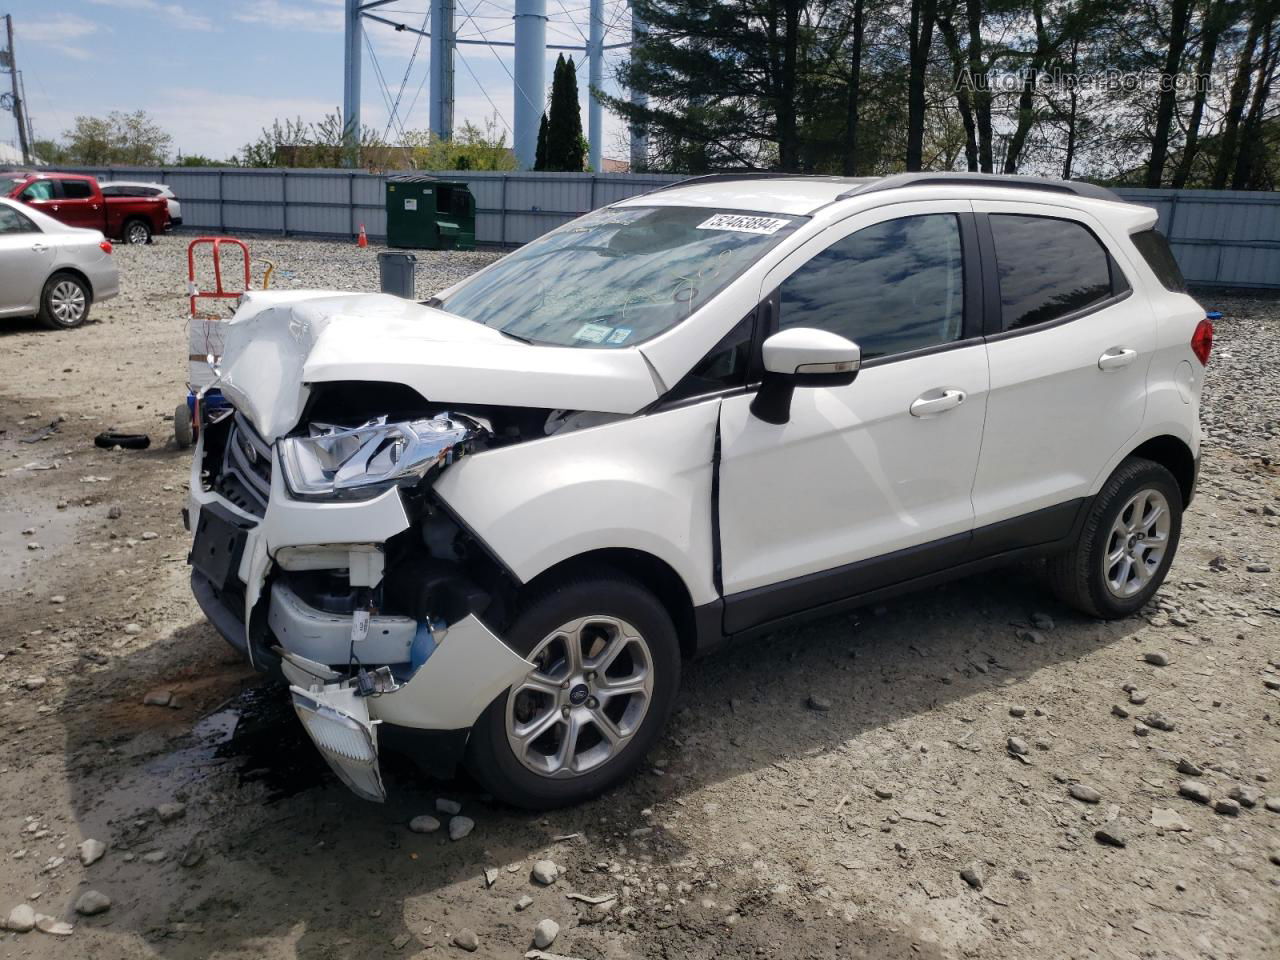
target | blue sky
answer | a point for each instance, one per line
(214, 72)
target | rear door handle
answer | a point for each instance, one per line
(39, 247)
(934, 402)
(1117, 357)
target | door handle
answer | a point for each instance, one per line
(39, 247)
(938, 401)
(1117, 357)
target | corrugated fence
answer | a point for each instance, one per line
(1220, 237)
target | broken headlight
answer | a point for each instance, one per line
(358, 463)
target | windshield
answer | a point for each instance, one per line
(8, 183)
(617, 277)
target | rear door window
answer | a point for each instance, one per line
(1154, 248)
(1049, 268)
(77, 189)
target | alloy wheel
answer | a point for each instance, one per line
(68, 302)
(137, 233)
(585, 699)
(1137, 543)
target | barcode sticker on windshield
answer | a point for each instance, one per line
(743, 224)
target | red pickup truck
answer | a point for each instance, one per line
(78, 201)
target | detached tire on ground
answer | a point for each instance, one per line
(608, 668)
(1126, 545)
(137, 232)
(64, 302)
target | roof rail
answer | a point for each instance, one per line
(1074, 187)
(725, 178)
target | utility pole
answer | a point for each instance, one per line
(18, 109)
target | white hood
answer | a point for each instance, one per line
(281, 342)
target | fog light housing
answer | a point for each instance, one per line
(344, 737)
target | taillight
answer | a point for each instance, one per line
(105, 246)
(1202, 341)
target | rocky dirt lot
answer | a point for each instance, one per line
(972, 772)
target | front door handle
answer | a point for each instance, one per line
(938, 401)
(1117, 357)
(39, 247)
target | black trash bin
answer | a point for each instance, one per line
(396, 272)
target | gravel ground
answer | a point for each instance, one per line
(844, 789)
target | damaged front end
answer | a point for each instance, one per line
(327, 554)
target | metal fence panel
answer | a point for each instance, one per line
(1220, 237)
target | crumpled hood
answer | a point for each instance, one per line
(280, 342)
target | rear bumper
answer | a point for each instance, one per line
(175, 221)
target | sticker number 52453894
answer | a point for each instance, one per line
(741, 223)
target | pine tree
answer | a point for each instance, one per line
(564, 149)
(540, 154)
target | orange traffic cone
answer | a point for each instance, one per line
(363, 240)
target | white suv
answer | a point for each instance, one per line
(503, 518)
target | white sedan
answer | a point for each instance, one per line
(51, 270)
(134, 188)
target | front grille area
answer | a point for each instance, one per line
(245, 474)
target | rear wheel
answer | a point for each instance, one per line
(1126, 545)
(607, 667)
(65, 301)
(137, 232)
(183, 433)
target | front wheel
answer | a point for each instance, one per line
(607, 668)
(137, 232)
(1126, 545)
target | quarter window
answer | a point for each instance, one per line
(1048, 268)
(1155, 250)
(891, 287)
(11, 221)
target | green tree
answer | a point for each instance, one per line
(565, 146)
(540, 154)
(119, 138)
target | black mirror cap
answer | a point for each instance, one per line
(772, 402)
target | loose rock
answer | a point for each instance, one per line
(1156, 658)
(157, 698)
(459, 827)
(450, 807)
(22, 919)
(91, 852)
(1245, 796)
(1195, 790)
(1258, 567)
(974, 875)
(821, 704)
(169, 812)
(1189, 768)
(466, 939)
(1085, 793)
(91, 902)
(545, 933)
(525, 902)
(545, 872)
(1226, 807)
(1164, 818)
(424, 824)
(1109, 836)
(1017, 711)
(1017, 746)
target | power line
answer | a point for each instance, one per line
(405, 80)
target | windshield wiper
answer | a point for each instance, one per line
(513, 336)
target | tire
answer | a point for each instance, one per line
(1122, 523)
(602, 612)
(182, 431)
(137, 232)
(65, 302)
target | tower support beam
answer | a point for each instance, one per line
(595, 80)
(530, 77)
(639, 139)
(442, 46)
(354, 37)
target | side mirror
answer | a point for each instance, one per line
(802, 357)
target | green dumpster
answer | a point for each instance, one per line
(427, 213)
